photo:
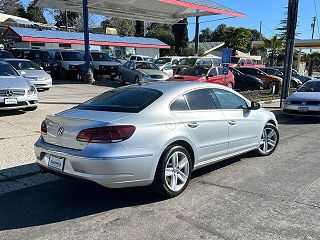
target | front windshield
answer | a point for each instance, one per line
(44, 55)
(97, 56)
(162, 60)
(148, 59)
(187, 61)
(197, 71)
(24, 65)
(146, 65)
(235, 60)
(311, 86)
(72, 56)
(7, 70)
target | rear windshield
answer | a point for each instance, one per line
(312, 86)
(187, 61)
(197, 71)
(131, 100)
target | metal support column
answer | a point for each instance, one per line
(291, 32)
(196, 38)
(86, 35)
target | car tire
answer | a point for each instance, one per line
(122, 81)
(30, 109)
(268, 141)
(173, 172)
(271, 85)
(293, 84)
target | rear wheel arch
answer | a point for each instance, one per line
(272, 122)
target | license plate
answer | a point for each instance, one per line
(10, 101)
(303, 109)
(56, 162)
(113, 73)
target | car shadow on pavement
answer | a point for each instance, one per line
(62, 200)
(11, 113)
(299, 120)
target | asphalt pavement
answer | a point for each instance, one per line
(247, 197)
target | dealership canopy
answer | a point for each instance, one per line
(162, 11)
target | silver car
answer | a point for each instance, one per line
(32, 72)
(306, 101)
(154, 134)
(15, 92)
(140, 71)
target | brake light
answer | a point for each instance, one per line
(44, 128)
(110, 134)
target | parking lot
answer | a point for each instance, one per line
(275, 197)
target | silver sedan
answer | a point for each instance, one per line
(32, 72)
(306, 101)
(141, 71)
(154, 134)
(15, 91)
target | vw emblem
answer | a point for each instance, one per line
(60, 131)
(9, 93)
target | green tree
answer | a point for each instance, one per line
(237, 39)
(205, 35)
(218, 35)
(139, 29)
(180, 32)
(60, 18)
(10, 6)
(124, 27)
(35, 14)
(313, 59)
(274, 46)
(164, 33)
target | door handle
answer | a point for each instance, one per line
(193, 125)
(232, 123)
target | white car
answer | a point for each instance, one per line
(15, 92)
(154, 134)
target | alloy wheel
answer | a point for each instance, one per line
(269, 140)
(177, 171)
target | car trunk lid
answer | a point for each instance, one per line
(63, 128)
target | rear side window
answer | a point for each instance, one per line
(213, 72)
(179, 104)
(229, 100)
(200, 100)
(220, 71)
(132, 100)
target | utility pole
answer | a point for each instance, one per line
(291, 32)
(313, 25)
(196, 38)
(260, 30)
(66, 16)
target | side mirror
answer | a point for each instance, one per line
(23, 73)
(254, 106)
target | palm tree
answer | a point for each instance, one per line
(274, 45)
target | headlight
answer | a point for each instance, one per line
(145, 75)
(32, 90)
(287, 102)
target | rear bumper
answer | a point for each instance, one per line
(112, 172)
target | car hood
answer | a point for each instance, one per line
(151, 72)
(305, 96)
(13, 82)
(34, 73)
(105, 63)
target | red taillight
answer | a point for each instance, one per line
(109, 134)
(44, 127)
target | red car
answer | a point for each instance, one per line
(206, 74)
